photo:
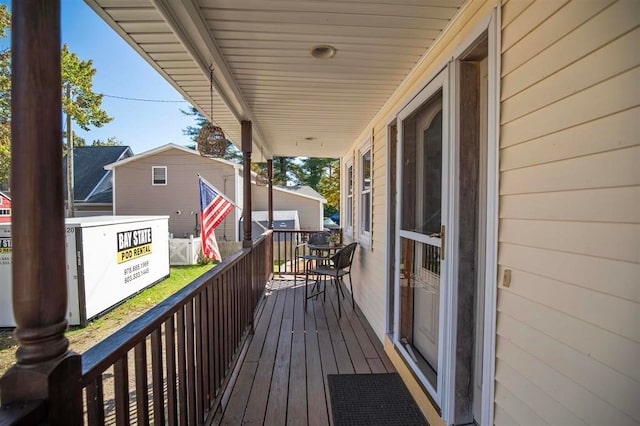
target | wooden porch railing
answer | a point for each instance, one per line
(288, 246)
(173, 361)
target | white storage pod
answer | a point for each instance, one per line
(109, 258)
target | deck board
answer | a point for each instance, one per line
(297, 398)
(316, 396)
(278, 393)
(343, 361)
(259, 393)
(240, 395)
(358, 360)
(283, 378)
(327, 356)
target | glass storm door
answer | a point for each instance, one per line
(421, 236)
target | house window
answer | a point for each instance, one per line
(348, 216)
(365, 196)
(159, 175)
(5, 212)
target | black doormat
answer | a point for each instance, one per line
(372, 399)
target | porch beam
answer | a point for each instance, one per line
(39, 289)
(270, 199)
(246, 176)
(186, 20)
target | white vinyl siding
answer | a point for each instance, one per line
(568, 341)
(133, 197)
(159, 175)
(310, 211)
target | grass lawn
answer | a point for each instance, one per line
(81, 339)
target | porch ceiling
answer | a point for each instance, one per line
(263, 68)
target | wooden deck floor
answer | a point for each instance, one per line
(283, 377)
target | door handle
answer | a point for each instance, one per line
(442, 236)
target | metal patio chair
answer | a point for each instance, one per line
(337, 267)
(302, 253)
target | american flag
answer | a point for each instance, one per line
(214, 207)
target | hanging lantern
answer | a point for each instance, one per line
(211, 140)
(261, 178)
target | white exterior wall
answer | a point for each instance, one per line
(568, 327)
(370, 264)
(568, 343)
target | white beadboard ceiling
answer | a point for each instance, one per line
(263, 68)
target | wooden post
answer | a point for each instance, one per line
(247, 242)
(468, 196)
(270, 200)
(246, 175)
(38, 233)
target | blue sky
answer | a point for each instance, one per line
(122, 72)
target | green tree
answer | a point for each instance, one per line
(285, 170)
(5, 98)
(232, 153)
(78, 140)
(313, 170)
(84, 106)
(110, 141)
(329, 186)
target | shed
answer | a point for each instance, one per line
(282, 220)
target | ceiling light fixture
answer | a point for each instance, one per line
(305, 141)
(323, 51)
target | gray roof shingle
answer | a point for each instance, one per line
(88, 166)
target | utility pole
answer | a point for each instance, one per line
(70, 205)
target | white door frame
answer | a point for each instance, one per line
(493, 194)
(390, 287)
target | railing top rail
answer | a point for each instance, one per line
(105, 353)
(263, 236)
(295, 231)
